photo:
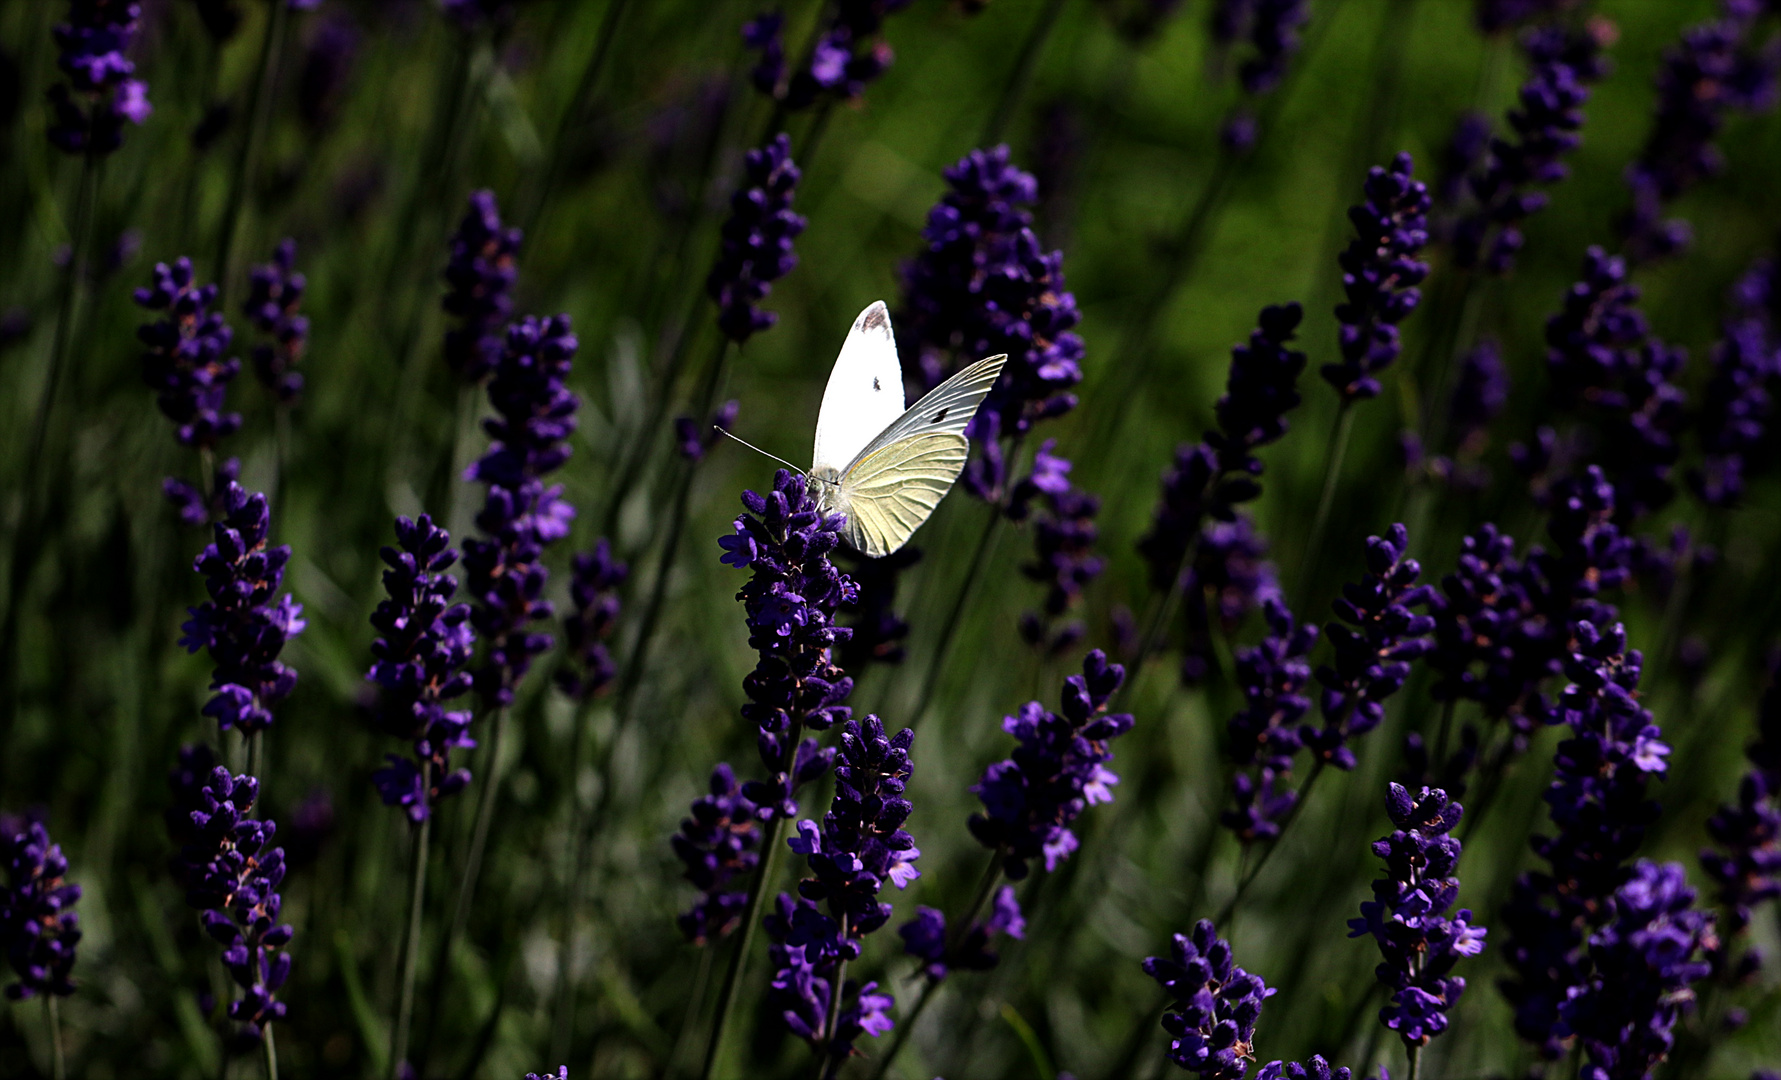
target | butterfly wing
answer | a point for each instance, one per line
(865, 391)
(895, 483)
(890, 491)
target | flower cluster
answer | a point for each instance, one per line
(791, 599)
(756, 246)
(274, 291)
(1380, 273)
(420, 658)
(1646, 956)
(480, 276)
(847, 56)
(528, 440)
(184, 363)
(1747, 866)
(231, 873)
(241, 624)
(1214, 477)
(1229, 578)
(924, 937)
(1057, 771)
(1214, 1004)
(717, 844)
(1408, 915)
(1064, 535)
(1599, 807)
(1545, 126)
(984, 285)
(804, 978)
(1271, 29)
(1375, 642)
(1601, 355)
(195, 510)
(695, 439)
(39, 927)
(1737, 407)
(594, 580)
(100, 95)
(1711, 71)
(1275, 679)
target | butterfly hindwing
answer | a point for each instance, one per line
(890, 491)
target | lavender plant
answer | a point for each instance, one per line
(101, 95)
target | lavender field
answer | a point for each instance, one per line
(1351, 648)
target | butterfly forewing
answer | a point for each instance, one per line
(891, 491)
(865, 391)
(946, 409)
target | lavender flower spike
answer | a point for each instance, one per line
(756, 249)
(480, 277)
(420, 658)
(1214, 1004)
(275, 289)
(1380, 273)
(717, 844)
(184, 363)
(1747, 866)
(1408, 915)
(231, 873)
(39, 927)
(241, 624)
(1264, 735)
(1057, 771)
(100, 96)
(562, 1073)
(594, 581)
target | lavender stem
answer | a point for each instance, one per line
(825, 1062)
(52, 1015)
(412, 941)
(485, 816)
(1254, 871)
(931, 677)
(1332, 475)
(270, 1053)
(1022, 75)
(751, 917)
(258, 107)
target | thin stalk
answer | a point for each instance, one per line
(269, 1053)
(931, 677)
(922, 997)
(256, 761)
(479, 838)
(1332, 475)
(52, 1016)
(578, 107)
(563, 994)
(825, 1060)
(726, 997)
(281, 457)
(86, 195)
(1248, 879)
(1021, 77)
(258, 106)
(691, 1013)
(411, 948)
(1446, 732)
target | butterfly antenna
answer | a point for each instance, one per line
(758, 450)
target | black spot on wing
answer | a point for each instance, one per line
(876, 319)
(875, 385)
(939, 416)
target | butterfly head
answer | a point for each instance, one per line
(827, 482)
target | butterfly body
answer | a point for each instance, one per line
(883, 466)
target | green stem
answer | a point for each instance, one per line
(1332, 475)
(922, 997)
(86, 195)
(258, 106)
(1254, 871)
(576, 859)
(269, 1052)
(948, 630)
(726, 997)
(1022, 75)
(52, 1014)
(479, 838)
(1415, 1053)
(825, 1058)
(572, 115)
(411, 948)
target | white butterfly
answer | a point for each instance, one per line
(885, 467)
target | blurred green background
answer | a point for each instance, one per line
(621, 188)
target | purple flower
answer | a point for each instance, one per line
(39, 927)
(1213, 1007)
(1480, 393)
(520, 515)
(1747, 866)
(695, 439)
(274, 291)
(756, 245)
(1603, 359)
(1271, 30)
(562, 1073)
(188, 500)
(717, 843)
(877, 630)
(1375, 642)
(1598, 804)
(1495, 16)
(848, 54)
(231, 873)
(325, 71)
(1057, 771)
(1064, 535)
(1380, 273)
(1275, 679)
(1545, 125)
(1228, 579)
(474, 15)
(184, 362)
(425, 645)
(480, 277)
(804, 961)
(791, 600)
(1408, 915)
(1737, 406)
(1646, 956)
(241, 624)
(100, 95)
(1711, 71)
(1214, 477)
(924, 937)
(594, 581)
(983, 285)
